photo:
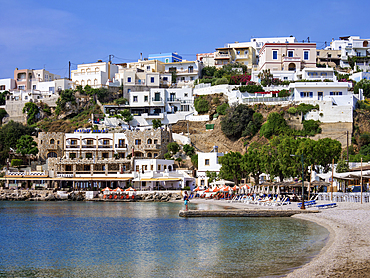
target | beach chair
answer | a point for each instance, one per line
(324, 206)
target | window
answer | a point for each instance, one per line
(72, 155)
(318, 53)
(306, 94)
(186, 95)
(137, 142)
(105, 142)
(245, 52)
(335, 93)
(290, 53)
(151, 167)
(128, 91)
(167, 60)
(155, 141)
(34, 87)
(238, 52)
(88, 155)
(89, 142)
(274, 54)
(128, 79)
(121, 155)
(305, 54)
(191, 78)
(145, 98)
(134, 98)
(147, 67)
(51, 141)
(202, 182)
(151, 79)
(155, 155)
(164, 79)
(206, 162)
(121, 143)
(285, 78)
(21, 87)
(164, 167)
(73, 142)
(149, 141)
(159, 167)
(52, 154)
(149, 155)
(105, 155)
(329, 55)
(58, 142)
(26, 97)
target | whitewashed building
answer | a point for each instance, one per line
(208, 162)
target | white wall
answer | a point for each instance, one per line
(9, 84)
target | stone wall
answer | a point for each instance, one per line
(46, 144)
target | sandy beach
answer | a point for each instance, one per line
(347, 253)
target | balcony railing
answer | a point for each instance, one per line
(121, 146)
(72, 146)
(152, 147)
(291, 59)
(88, 146)
(172, 99)
(157, 99)
(222, 56)
(105, 146)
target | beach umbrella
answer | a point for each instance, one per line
(197, 189)
(130, 189)
(207, 190)
(216, 189)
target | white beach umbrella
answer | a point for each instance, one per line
(273, 190)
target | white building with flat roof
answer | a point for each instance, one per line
(208, 162)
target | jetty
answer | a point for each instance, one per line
(243, 213)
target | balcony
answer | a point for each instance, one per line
(291, 59)
(172, 99)
(222, 56)
(121, 146)
(105, 146)
(72, 146)
(89, 146)
(152, 116)
(152, 147)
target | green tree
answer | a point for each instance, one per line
(32, 111)
(173, 147)
(16, 162)
(363, 84)
(3, 97)
(156, 123)
(26, 145)
(326, 150)
(342, 166)
(253, 162)
(231, 168)
(212, 176)
(3, 114)
(201, 104)
(222, 109)
(127, 117)
(189, 150)
(236, 121)
(275, 125)
(120, 101)
(253, 126)
(194, 160)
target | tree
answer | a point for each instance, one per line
(3, 97)
(173, 147)
(212, 176)
(32, 111)
(275, 125)
(201, 104)
(253, 126)
(120, 101)
(16, 162)
(26, 145)
(3, 113)
(363, 84)
(253, 162)
(326, 150)
(236, 121)
(231, 168)
(189, 150)
(194, 160)
(342, 166)
(127, 117)
(156, 123)
(221, 109)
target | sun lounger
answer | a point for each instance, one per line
(324, 206)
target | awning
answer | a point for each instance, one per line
(160, 179)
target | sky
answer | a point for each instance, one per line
(48, 34)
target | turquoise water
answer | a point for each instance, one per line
(86, 239)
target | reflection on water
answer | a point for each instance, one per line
(70, 239)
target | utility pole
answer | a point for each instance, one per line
(347, 149)
(69, 70)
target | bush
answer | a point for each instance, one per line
(167, 156)
(194, 160)
(292, 110)
(156, 123)
(173, 147)
(16, 162)
(305, 108)
(221, 110)
(283, 93)
(201, 104)
(236, 121)
(251, 89)
(216, 100)
(189, 150)
(121, 101)
(221, 81)
(275, 125)
(311, 127)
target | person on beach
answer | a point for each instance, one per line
(186, 200)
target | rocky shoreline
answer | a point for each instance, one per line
(51, 195)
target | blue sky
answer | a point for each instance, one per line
(38, 34)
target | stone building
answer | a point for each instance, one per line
(50, 144)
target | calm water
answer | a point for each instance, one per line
(72, 239)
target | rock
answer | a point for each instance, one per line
(50, 197)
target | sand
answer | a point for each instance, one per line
(346, 254)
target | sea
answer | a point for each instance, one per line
(111, 239)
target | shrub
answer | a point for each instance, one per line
(156, 123)
(283, 93)
(275, 125)
(121, 101)
(189, 150)
(16, 162)
(221, 110)
(292, 110)
(221, 81)
(201, 105)
(236, 120)
(251, 89)
(194, 160)
(216, 100)
(311, 127)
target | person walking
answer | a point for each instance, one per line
(186, 200)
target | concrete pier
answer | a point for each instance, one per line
(242, 213)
